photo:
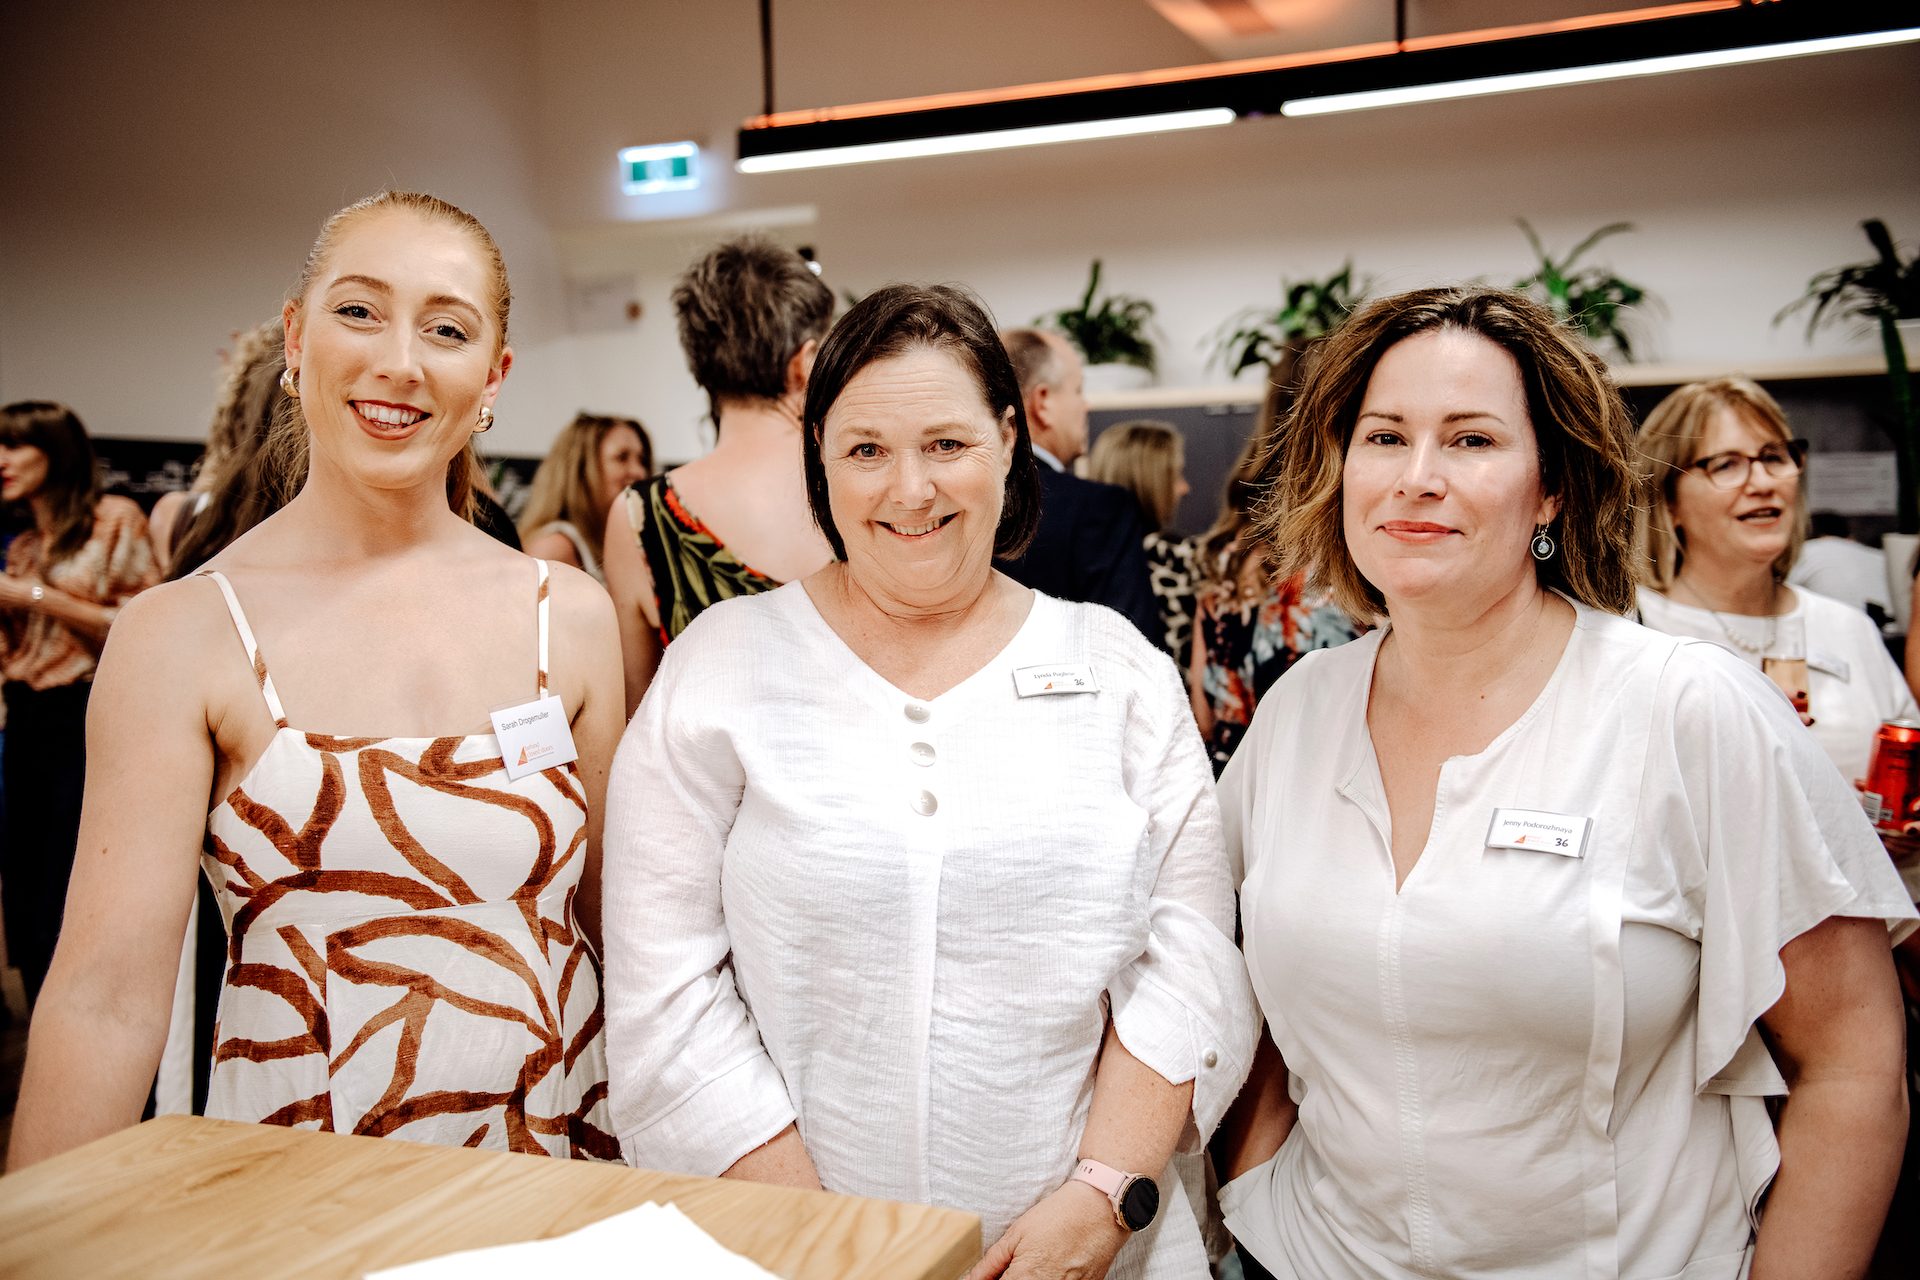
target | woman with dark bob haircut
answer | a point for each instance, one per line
(1541, 906)
(916, 887)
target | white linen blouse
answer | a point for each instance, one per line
(1528, 1063)
(1852, 682)
(902, 921)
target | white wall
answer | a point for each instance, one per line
(162, 188)
(167, 165)
(1742, 182)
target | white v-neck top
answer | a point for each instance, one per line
(1524, 1063)
(901, 921)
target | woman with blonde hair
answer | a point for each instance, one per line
(595, 457)
(1148, 460)
(1543, 908)
(249, 402)
(1725, 519)
(409, 891)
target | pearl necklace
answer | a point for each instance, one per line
(1760, 650)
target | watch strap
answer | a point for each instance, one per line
(1105, 1179)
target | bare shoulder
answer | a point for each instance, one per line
(163, 636)
(581, 606)
(551, 544)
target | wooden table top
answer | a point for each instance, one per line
(186, 1196)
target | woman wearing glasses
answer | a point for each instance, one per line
(1723, 525)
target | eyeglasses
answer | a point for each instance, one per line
(1730, 470)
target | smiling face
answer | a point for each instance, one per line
(1729, 530)
(23, 472)
(396, 350)
(916, 467)
(1441, 488)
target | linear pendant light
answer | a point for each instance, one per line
(1663, 38)
(1366, 100)
(991, 140)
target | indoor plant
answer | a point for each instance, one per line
(1590, 298)
(1884, 292)
(1311, 309)
(1111, 331)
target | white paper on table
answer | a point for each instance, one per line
(653, 1240)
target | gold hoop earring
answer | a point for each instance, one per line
(290, 382)
(486, 419)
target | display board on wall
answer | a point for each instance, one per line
(1852, 484)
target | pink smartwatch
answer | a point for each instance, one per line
(1135, 1199)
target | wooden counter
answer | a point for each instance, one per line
(184, 1196)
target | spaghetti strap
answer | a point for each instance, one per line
(253, 647)
(541, 597)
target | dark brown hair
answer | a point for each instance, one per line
(744, 310)
(891, 322)
(1582, 427)
(72, 485)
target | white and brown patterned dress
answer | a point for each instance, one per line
(402, 957)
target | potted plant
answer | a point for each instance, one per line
(1311, 309)
(1111, 335)
(1592, 299)
(1884, 292)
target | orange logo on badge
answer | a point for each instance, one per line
(523, 757)
(1516, 839)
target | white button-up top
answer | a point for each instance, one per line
(901, 921)
(1525, 1063)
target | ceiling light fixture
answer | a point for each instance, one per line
(1368, 99)
(989, 140)
(1598, 47)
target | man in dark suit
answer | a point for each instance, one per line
(1091, 540)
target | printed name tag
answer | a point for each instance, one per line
(534, 736)
(1558, 833)
(1054, 677)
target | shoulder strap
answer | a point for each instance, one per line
(259, 662)
(541, 598)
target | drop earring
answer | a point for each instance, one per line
(486, 419)
(290, 382)
(1543, 547)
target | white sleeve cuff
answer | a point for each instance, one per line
(744, 1107)
(1168, 1035)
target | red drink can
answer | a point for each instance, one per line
(1891, 796)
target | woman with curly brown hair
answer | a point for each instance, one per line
(1542, 907)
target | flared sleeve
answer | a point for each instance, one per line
(691, 1087)
(1184, 1007)
(1768, 841)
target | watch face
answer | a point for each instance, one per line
(1140, 1203)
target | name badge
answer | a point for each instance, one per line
(1054, 677)
(1530, 829)
(534, 736)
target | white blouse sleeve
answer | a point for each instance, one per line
(1767, 841)
(691, 1087)
(1185, 1006)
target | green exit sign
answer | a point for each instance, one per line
(669, 166)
